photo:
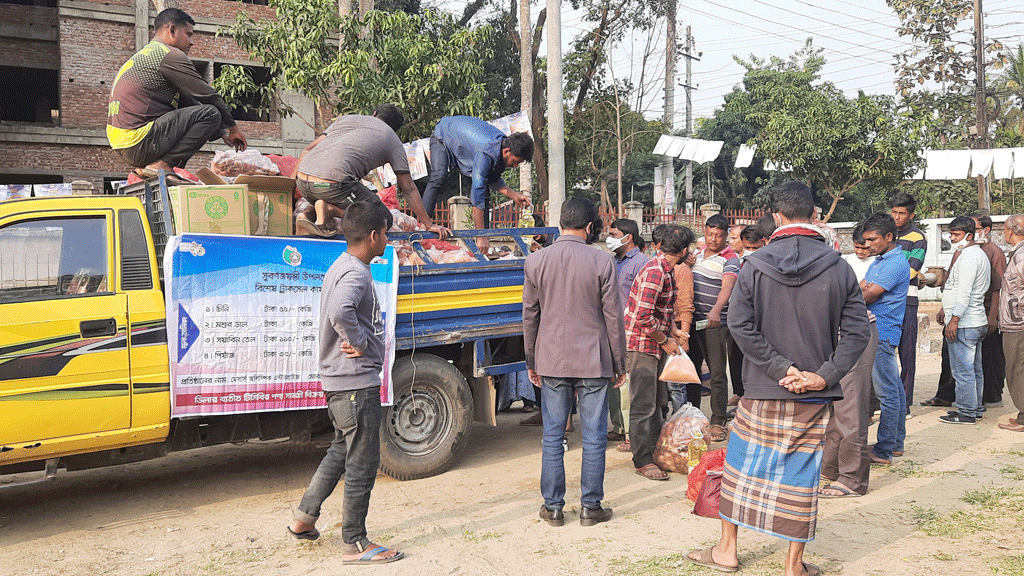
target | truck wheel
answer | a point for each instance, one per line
(426, 429)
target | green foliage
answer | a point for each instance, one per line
(236, 85)
(425, 64)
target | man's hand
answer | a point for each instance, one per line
(235, 139)
(350, 350)
(441, 231)
(714, 318)
(691, 259)
(682, 338)
(670, 347)
(799, 381)
(950, 330)
(521, 200)
(483, 244)
(940, 317)
(534, 377)
(619, 381)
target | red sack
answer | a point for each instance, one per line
(713, 460)
(133, 178)
(706, 504)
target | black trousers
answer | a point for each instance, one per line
(176, 136)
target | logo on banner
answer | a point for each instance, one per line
(188, 332)
(291, 256)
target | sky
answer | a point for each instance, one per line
(859, 38)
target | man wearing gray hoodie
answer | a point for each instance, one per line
(351, 342)
(798, 315)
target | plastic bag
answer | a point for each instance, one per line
(250, 161)
(403, 222)
(713, 460)
(676, 434)
(680, 370)
(706, 503)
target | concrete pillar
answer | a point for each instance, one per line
(461, 213)
(634, 211)
(82, 188)
(709, 210)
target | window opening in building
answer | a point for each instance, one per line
(253, 103)
(29, 95)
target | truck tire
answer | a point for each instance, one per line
(427, 428)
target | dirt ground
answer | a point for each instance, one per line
(952, 505)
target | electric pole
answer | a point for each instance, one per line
(689, 109)
(667, 168)
(556, 119)
(984, 199)
(526, 88)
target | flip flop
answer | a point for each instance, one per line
(811, 569)
(844, 491)
(650, 472)
(718, 433)
(707, 561)
(624, 446)
(310, 534)
(367, 558)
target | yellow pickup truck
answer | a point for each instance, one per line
(84, 361)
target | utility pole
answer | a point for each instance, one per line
(984, 197)
(556, 119)
(667, 168)
(526, 88)
(689, 109)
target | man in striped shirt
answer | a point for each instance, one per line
(914, 245)
(714, 276)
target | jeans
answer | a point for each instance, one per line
(591, 395)
(965, 361)
(354, 453)
(892, 423)
(677, 395)
(644, 414)
(176, 136)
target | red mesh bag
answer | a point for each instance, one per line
(133, 178)
(713, 460)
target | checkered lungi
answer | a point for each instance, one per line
(772, 467)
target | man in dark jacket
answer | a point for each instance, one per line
(798, 315)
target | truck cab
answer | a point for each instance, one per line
(83, 345)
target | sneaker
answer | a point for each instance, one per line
(910, 415)
(957, 418)
(591, 516)
(553, 517)
(951, 412)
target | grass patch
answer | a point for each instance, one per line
(955, 524)
(990, 499)
(653, 566)
(1008, 564)
(1012, 472)
(470, 536)
(913, 469)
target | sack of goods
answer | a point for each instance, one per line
(250, 161)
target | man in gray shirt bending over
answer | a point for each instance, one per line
(351, 342)
(331, 166)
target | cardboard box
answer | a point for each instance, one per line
(270, 201)
(270, 204)
(210, 209)
(15, 191)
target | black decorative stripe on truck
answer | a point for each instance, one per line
(150, 387)
(72, 393)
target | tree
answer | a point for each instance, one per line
(425, 63)
(833, 142)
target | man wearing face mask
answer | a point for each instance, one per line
(626, 244)
(963, 314)
(649, 326)
(993, 363)
(1011, 319)
(575, 346)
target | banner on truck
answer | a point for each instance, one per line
(242, 321)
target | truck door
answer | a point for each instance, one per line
(63, 352)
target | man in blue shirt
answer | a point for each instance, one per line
(481, 152)
(885, 292)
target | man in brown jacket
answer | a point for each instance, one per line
(575, 344)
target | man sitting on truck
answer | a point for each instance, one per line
(352, 352)
(161, 111)
(331, 167)
(481, 152)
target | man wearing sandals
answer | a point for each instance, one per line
(1011, 319)
(650, 331)
(161, 111)
(798, 315)
(351, 341)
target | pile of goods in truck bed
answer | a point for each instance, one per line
(250, 161)
(440, 252)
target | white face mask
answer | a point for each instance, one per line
(614, 244)
(961, 244)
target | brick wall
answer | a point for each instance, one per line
(210, 47)
(36, 46)
(260, 130)
(224, 9)
(90, 163)
(30, 53)
(91, 53)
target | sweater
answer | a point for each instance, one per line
(350, 312)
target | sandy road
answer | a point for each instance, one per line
(223, 511)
